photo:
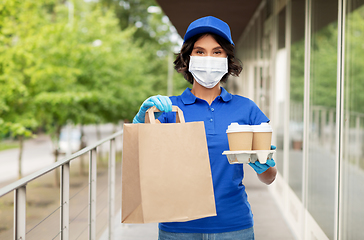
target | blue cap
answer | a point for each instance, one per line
(209, 25)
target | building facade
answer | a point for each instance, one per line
(304, 66)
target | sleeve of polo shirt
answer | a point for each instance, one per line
(257, 116)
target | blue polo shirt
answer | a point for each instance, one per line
(232, 206)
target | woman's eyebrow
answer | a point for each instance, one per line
(215, 48)
(197, 47)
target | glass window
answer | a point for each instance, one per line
(353, 126)
(297, 68)
(321, 144)
(280, 80)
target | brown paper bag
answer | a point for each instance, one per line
(166, 173)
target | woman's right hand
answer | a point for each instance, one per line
(163, 103)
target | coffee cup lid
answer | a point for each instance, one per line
(235, 127)
(263, 127)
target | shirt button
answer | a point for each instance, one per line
(212, 109)
(211, 120)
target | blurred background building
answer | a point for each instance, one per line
(303, 65)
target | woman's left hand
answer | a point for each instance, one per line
(260, 168)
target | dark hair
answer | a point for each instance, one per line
(183, 57)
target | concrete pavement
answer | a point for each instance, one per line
(269, 222)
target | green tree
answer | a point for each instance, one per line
(323, 66)
(75, 62)
(354, 64)
(297, 71)
(155, 34)
(17, 114)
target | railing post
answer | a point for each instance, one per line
(20, 200)
(318, 131)
(111, 188)
(332, 130)
(64, 201)
(92, 194)
(323, 124)
(357, 140)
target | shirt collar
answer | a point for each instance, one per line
(188, 97)
(225, 96)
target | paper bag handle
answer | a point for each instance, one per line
(149, 116)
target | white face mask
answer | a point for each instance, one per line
(208, 71)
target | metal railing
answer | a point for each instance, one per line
(19, 187)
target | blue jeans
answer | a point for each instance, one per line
(245, 234)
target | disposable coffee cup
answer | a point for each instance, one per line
(240, 137)
(262, 136)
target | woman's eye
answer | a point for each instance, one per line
(218, 52)
(199, 52)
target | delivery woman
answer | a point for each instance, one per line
(205, 59)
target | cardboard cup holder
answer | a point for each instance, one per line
(249, 156)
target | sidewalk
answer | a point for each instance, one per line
(269, 222)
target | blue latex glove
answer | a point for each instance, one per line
(163, 103)
(260, 168)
